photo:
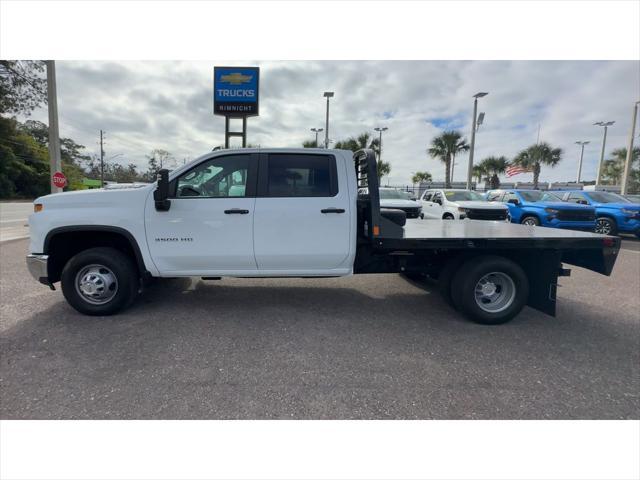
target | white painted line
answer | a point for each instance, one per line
(9, 239)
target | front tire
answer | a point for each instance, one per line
(99, 281)
(530, 220)
(448, 216)
(490, 290)
(606, 226)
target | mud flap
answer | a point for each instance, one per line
(543, 271)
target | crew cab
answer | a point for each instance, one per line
(533, 207)
(290, 213)
(614, 213)
(458, 204)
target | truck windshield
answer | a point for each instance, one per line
(536, 196)
(607, 197)
(462, 195)
(389, 194)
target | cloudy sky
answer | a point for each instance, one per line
(168, 105)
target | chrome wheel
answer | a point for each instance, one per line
(96, 284)
(495, 292)
(530, 221)
(603, 226)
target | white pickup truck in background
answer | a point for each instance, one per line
(290, 213)
(458, 204)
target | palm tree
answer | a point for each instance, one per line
(478, 172)
(536, 155)
(421, 177)
(494, 166)
(445, 147)
(613, 169)
(364, 140)
(383, 168)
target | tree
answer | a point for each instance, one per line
(421, 177)
(383, 168)
(158, 159)
(22, 86)
(492, 167)
(364, 140)
(613, 169)
(478, 173)
(533, 157)
(309, 144)
(445, 147)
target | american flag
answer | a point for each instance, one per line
(516, 170)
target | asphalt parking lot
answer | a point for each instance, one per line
(371, 347)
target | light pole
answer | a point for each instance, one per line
(582, 144)
(629, 159)
(326, 127)
(317, 130)
(55, 161)
(606, 125)
(473, 136)
(380, 130)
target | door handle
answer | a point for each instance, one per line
(332, 210)
(237, 211)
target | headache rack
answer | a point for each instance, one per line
(371, 224)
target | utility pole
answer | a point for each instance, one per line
(629, 159)
(606, 125)
(101, 160)
(582, 144)
(326, 131)
(473, 137)
(380, 130)
(54, 135)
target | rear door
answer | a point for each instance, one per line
(302, 214)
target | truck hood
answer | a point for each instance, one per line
(398, 203)
(617, 206)
(78, 198)
(481, 204)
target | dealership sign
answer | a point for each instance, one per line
(235, 91)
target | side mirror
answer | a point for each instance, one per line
(582, 202)
(514, 201)
(161, 194)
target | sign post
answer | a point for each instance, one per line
(236, 95)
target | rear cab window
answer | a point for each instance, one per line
(298, 175)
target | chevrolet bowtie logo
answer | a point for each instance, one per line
(236, 78)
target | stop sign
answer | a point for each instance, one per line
(59, 180)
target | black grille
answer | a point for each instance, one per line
(412, 212)
(487, 214)
(576, 216)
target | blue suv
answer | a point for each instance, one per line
(533, 207)
(614, 213)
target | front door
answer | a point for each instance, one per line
(303, 215)
(208, 229)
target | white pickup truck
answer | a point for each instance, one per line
(291, 213)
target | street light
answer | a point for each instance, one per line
(380, 130)
(317, 130)
(473, 135)
(582, 144)
(604, 141)
(628, 160)
(326, 131)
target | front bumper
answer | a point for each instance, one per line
(37, 265)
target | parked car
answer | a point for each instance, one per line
(453, 204)
(533, 207)
(399, 200)
(614, 213)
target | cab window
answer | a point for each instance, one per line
(494, 196)
(510, 196)
(219, 177)
(427, 196)
(577, 198)
(437, 198)
(299, 175)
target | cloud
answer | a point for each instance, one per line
(146, 105)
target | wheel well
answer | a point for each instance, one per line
(448, 214)
(527, 214)
(66, 244)
(607, 216)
